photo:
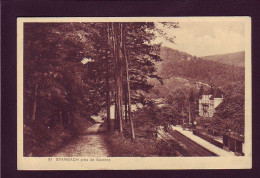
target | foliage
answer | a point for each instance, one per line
(180, 72)
(121, 147)
(233, 106)
(213, 73)
(145, 144)
(52, 56)
(59, 89)
(65, 92)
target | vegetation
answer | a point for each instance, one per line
(60, 88)
(121, 146)
(122, 67)
(181, 72)
(55, 85)
(232, 110)
(213, 73)
(146, 143)
(237, 59)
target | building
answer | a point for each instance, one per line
(233, 142)
(209, 101)
(85, 60)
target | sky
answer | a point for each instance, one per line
(206, 38)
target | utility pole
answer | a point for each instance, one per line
(182, 115)
(189, 115)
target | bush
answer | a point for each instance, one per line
(121, 146)
(145, 144)
(41, 140)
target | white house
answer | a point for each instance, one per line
(209, 101)
(86, 60)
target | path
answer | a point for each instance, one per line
(90, 143)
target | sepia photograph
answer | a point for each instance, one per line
(134, 93)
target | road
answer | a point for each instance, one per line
(90, 144)
(183, 145)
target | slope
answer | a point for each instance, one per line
(237, 59)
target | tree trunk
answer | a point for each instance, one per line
(60, 114)
(69, 119)
(34, 102)
(116, 38)
(108, 103)
(120, 78)
(108, 100)
(128, 86)
(116, 123)
(125, 93)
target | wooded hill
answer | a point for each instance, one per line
(181, 64)
(237, 59)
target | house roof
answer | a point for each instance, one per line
(218, 93)
(214, 92)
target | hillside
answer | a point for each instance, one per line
(181, 64)
(182, 73)
(169, 55)
(237, 59)
(172, 54)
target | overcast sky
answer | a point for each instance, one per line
(206, 38)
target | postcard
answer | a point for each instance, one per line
(134, 93)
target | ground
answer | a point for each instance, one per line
(90, 143)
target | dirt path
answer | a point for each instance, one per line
(90, 143)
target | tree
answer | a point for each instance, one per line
(191, 107)
(128, 95)
(62, 86)
(201, 91)
(53, 72)
(232, 109)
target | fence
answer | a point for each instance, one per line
(207, 138)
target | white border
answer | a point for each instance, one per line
(137, 163)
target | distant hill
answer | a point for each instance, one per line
(180, 64)
(169, 56)
(237, 59)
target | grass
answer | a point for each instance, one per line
(40, 140)
(121, 146)
(145, 144)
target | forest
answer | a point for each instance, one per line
(62, 92)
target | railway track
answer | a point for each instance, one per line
(193, 146)
(183, 145)
(174, 144)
